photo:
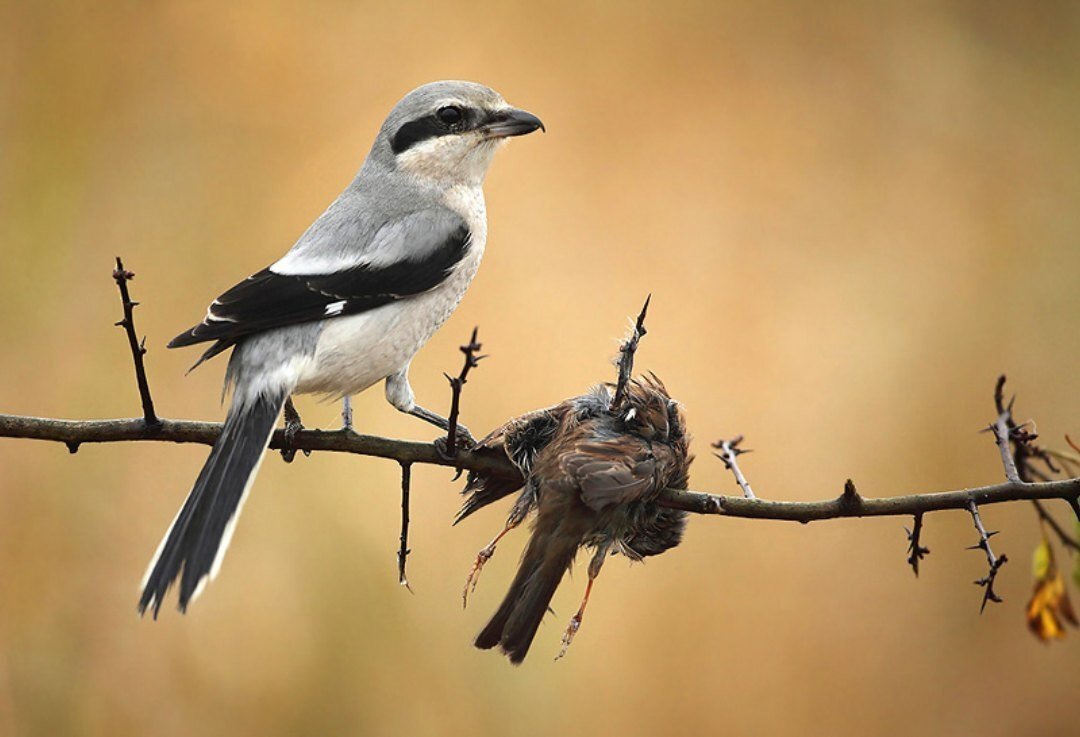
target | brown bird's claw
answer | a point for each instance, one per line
(483, 557)
(474, 575)
(568, 636)
(575, 622)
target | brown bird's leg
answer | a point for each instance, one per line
(595, 565)
(483, 557)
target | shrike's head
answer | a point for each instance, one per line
(449, 131)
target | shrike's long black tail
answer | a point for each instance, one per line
(195, 544)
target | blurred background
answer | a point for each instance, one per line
(851, 217)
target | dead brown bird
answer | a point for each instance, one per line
(592, 472)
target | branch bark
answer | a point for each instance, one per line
(74, 433)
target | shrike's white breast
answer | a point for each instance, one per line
(357, 351)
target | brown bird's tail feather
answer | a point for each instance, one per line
(518, 617)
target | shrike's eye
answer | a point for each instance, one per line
(450, 115)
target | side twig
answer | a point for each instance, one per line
(138, 349)
(994, 562)
(729, 452)
(456, 384)
(403, 549)
(916, 551)
(1019, 453)
(1066, 539)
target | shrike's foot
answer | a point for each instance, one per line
(346, 414)
(293, 425)
(443, 424)
(465, 438)
(568, 636)
(463, 441)
(474, 575)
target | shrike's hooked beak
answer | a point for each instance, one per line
(511, 122)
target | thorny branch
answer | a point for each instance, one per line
(993, 561)
(138, 349)
(1029, 481)
(456, 384)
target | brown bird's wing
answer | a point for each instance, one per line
(520, 440)
(611, 472)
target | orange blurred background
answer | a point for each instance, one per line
(851, 217)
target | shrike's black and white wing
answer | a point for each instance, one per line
(403, 258)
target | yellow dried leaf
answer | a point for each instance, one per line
(1049, 608)
(1042, 560)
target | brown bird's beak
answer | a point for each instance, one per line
(511, 122)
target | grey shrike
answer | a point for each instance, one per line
(348, 306)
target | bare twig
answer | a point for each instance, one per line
(916, 551)
(994, 562)
(403, 549)
(626, 355)
(1019, 452)
(1024, 450)
(1001, 428)
(456, 383)
(138, 349)
(729, 452)
(896, 506)
(1066, 539)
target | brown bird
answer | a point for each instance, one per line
(592, 471)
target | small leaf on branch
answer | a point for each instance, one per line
(1049, 608)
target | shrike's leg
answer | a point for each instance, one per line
(595, 565)
(400, 394)
(346, 413)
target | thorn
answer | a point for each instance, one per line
(849, 490)
(72, 446)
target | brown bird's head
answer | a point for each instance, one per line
(649, 411)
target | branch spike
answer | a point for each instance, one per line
(626, 355)
(403, 540)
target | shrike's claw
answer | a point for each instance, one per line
(463, 441)
(293, 425)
